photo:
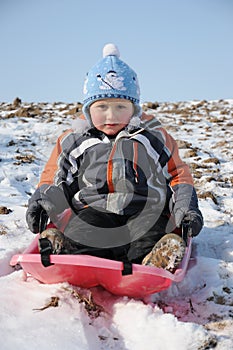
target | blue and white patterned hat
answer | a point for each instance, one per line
(111, 78)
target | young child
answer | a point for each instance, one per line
(116, 178)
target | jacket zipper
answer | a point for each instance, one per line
(110, 166)
(110, 170)
(135, 161)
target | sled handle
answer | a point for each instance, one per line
(186, 231)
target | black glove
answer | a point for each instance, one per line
(36, 217)
(46, 202)
(193, 220)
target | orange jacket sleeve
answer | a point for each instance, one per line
(51, 167)
(178, 170)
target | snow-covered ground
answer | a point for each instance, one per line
(194, 314)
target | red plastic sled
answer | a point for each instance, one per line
(88, 271)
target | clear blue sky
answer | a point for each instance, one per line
(180, 49)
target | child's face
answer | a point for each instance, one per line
(111, 115)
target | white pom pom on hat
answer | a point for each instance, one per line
(111, 50)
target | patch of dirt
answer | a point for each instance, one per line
(5, 210)
(93, 309)
(24, 158)
(208, 194)
(3, 230)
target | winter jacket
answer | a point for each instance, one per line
(139, 168)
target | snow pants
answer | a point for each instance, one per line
(112, 236)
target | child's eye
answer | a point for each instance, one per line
(102, 106)
(121, 106)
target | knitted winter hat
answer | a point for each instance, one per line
(111, 78)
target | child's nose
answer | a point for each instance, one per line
(110, 114)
